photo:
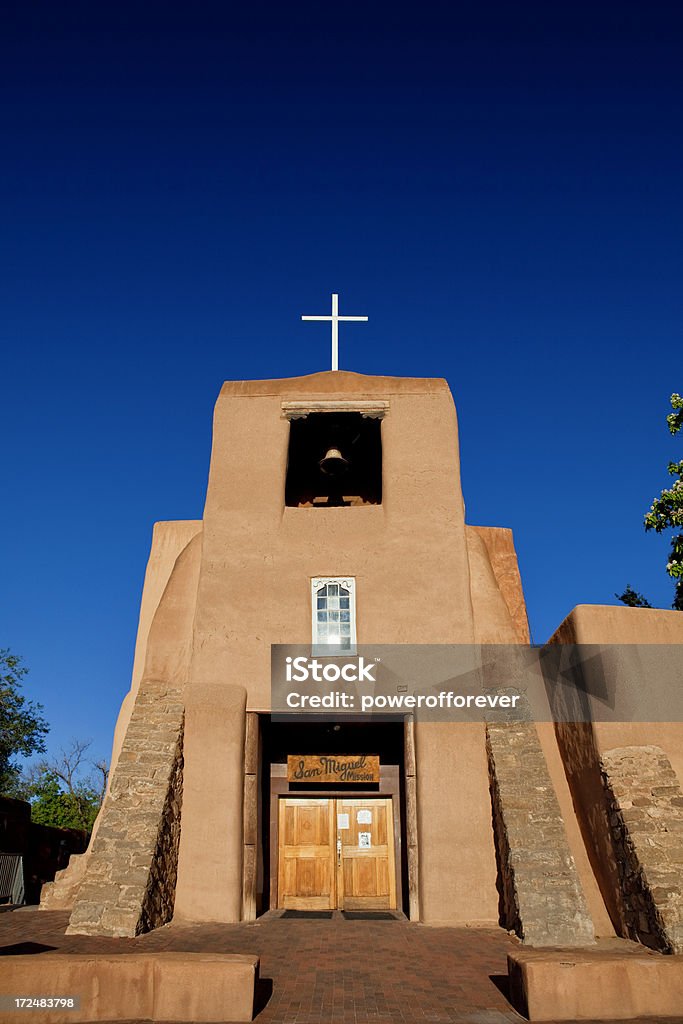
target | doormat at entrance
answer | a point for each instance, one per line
(368, 915)
(309, 915)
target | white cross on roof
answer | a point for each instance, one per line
(335, 318)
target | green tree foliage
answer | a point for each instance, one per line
(666, 511)
(22, 727)
(632, 598)
(59, 792)
(52, 805)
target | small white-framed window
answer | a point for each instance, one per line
(333, 614)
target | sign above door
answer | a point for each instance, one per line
(348, 769)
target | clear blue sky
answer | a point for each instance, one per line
(497, 186)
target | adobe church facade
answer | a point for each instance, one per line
(334, 508)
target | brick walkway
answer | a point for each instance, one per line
(326, 972)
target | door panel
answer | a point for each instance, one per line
(322, 867)
(366, 877)
(306, 876)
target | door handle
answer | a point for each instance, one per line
(339, 851)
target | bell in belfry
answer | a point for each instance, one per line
(333, 463)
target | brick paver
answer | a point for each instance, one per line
(325, 972)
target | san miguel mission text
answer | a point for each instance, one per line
(333, 769)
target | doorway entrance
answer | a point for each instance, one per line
(336, 854)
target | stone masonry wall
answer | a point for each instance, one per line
(157, 907)
(129, 884)
(541, 895)
(645, 807)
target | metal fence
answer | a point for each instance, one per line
(11, 878)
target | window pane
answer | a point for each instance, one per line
(333, 626)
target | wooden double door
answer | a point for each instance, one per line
(336, 854)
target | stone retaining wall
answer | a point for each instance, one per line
(157, 908)
(645, 807)
(540, 893)
(129, 884)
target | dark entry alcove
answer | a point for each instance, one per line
(351, 475)
(324, 737)
(278, 739)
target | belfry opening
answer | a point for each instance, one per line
(334, 460)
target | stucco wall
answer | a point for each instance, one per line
(604, 624)
(408, 555)
(582, 744)
(502, 557)
(169, 539)
(411, 563)
(496, 587)
(219, 592)
(457, 853)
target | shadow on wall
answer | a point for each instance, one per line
(579, 753)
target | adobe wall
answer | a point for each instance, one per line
(595, 901)
(411, 563)
(590, 750)
(169, 540)
(209, 886)
(408, 555)
(606, 624)
(458, 865)
(496, 586)
(457, 859)
(219, 592)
